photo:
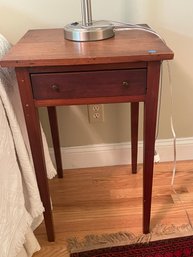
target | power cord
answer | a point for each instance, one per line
(118, 26)
(127, 26)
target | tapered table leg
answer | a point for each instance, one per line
(34, 134)
(55, 138)
(150, 114)
(134, 135)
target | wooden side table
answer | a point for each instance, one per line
(52, 71)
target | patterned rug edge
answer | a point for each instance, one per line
(97, 241)
(181, 247)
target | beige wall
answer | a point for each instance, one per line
(172, 19)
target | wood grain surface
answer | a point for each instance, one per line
(47, 47)
(109, 199)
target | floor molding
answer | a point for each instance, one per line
(118, 154)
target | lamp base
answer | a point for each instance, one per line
(99, 30)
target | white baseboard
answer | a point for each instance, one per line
(118, 154)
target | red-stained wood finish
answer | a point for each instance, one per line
(150, 114)
(52, 71)
(134, 135)
(34, 134)
(75, 85)
(47, 47)
(55, 138)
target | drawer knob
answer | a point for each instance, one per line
(125, 84)
(55, 87)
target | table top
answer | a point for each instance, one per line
(47, 47)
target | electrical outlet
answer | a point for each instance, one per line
(96, 113)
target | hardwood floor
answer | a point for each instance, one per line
(109, 199)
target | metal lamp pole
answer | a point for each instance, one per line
(86, 12)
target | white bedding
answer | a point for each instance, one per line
(20, 205)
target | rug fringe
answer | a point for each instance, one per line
(161, 231)
(100, 241)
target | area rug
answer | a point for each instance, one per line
(176, 247)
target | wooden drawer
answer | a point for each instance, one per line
(73, 85)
